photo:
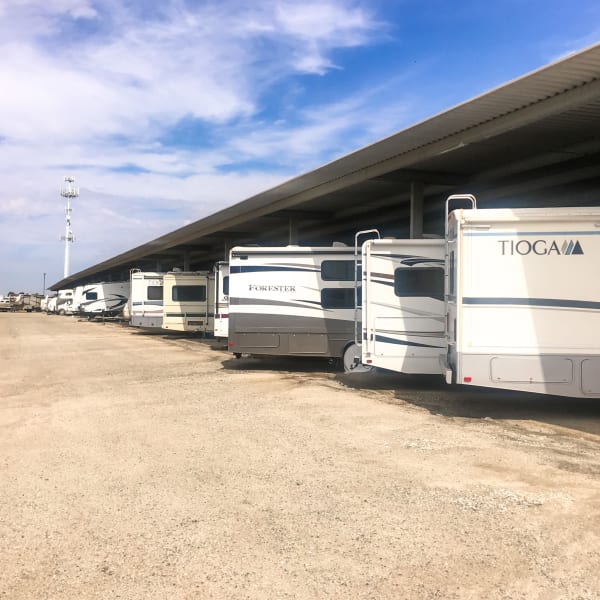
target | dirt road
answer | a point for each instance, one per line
(145, 466)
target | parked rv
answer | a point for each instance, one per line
(105, 298)
(523, 299)
(31, 302)
(146, 299)
(188, 301)
(293, 300)
(65, 302)
(221, 301)
(5, 304)
(403, 310)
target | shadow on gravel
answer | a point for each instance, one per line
(281, 364)
(212, 343)
(432, 394)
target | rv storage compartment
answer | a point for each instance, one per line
(258, 340)
(308, 343)
(590, 376)
(532, 369)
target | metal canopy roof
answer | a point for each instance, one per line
(533, 141)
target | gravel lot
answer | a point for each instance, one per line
(150, 466)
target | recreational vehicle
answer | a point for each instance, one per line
(31, 302)
(51, 304)
(146, 300)
(103, 298)
(523, 299)
(403, 312)
(188, 301)
(5, 304)
(293, 300)
(65, 302)
(221, 322)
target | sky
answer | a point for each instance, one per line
(166, 112)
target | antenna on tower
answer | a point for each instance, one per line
(68, 192)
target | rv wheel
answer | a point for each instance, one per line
(352, 362)
(61, 312)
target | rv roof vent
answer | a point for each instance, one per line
(339, 244)
(176, 270)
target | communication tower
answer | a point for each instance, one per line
(68, 191)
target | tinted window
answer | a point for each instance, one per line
(189, 293)
(339, 297)
(226, 286)
(338, 270)
(154, 292)
(91, 295)
(416, 281)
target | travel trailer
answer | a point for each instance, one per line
(403, 310)
(293, 300)
(104, 298)
(523, 299)
(146, 299)
(188, 301)
(5, 304)
(221, 321)
(32, 302)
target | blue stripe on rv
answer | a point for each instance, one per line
(547, 302)
(264, 269)
(388, 340)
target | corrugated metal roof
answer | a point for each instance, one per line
(554, 109)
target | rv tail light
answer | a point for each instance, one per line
(230, 344)
(467, 379)
(369, 361)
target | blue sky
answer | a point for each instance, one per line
(165, 112)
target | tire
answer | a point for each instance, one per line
(351, 360)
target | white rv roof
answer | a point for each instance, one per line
(513, 215)
(292, 250)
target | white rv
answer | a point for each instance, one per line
(65, 302)
(292, 300)
(221, 322)
(51, 304)
(403, 311)
(188, 301)
(523, 299)
(104, 298)
(5, 304)
(146, 299)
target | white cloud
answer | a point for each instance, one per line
(91, 87)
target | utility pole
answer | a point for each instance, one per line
(44, 290)
(68, 192)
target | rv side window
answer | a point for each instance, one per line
(189, 293)
(154, 292)
(419, 281)
(226, 286)
(339, 297)
(91, 295)
(338, 270)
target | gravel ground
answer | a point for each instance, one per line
(150, 466)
